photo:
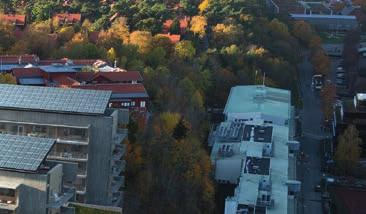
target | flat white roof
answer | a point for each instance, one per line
(295, 15)
(259, 98)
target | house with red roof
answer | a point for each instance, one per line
(67, 18)
(174, 38)
(183, 25)
(14, 19)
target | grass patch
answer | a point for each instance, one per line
(86, 210)
(331, 37)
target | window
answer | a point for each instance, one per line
(142, 104)
(133, 103)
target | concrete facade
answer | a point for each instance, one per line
(38, 192)
(101, 141)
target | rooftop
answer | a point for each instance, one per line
(258, 166)
(23, 152)
(53, 99)
(258, 133)
(119, 90)
(258, 98)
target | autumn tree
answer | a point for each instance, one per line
(348, 151)
(302, 31)
(7, 79)
(320, 61)
(198, 25)
(185, 50)
(328, 95)
(141, 39)
(227, 34)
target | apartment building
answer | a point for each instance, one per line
(86, 132)
(28, 183)
(254, 150)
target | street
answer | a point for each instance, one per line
(309, 166)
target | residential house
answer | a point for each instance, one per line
(67, 18)
(183, 25)
(19, 21)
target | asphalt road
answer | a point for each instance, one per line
(309, 166)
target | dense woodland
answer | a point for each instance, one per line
(228, 42)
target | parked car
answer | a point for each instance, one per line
(340, 75)
(318, 188)
(317, 81)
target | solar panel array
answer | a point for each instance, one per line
(54, 99)
(23, 152)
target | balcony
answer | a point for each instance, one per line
(8, 202)
(117, 183)
(118, 153)
(72, 139)
(68, 156)
(118, 167)
(117, 199)
(57, 201)
(120, 136)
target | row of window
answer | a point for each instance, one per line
(130, 104)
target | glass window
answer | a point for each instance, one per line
(142, 104)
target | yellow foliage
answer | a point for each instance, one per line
(203, 5)
(7, 79)
(198, 25)
(169, 121)
(142, 39)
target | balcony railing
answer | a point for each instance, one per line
(73, 139)
(72, 156)
(117, 198)
(117, 183)
(7, 199)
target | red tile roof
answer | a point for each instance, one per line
(27, 72)
(68, 17)
(352, 199)
(15, 59)
(174, 38)
(64, 81)
(119, 76)
(84, 76)
(183, 24)
(18, 20)
(115, 88)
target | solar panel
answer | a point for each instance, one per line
(23, 152)
(54, 99)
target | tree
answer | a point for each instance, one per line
(185, 50)
(348, 151)
(142, 39)
(278, 29)
(66, 33)
(7, 79)
(203, 6)
(112, 55)
(320, 61)
(302, 31)
(198, 25)
(328, 95)
(227, 34)
(182, 129)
